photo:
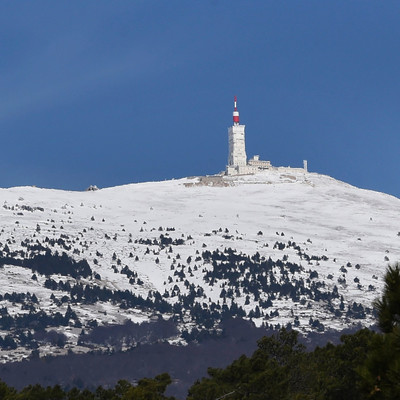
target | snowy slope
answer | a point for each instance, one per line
(338, 237)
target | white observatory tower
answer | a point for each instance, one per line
(237, 160)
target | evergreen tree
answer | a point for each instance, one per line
(388, 306)
(381, 371)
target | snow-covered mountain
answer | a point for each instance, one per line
(280, 247)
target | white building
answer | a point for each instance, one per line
(259, 164)
(237, 149)
(237, 159)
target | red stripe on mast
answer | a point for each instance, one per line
(235, 112)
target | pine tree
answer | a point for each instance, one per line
(388, 307)
(382, 368)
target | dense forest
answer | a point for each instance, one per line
(365, 365)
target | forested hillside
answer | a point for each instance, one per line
(365, 365)
(295, 250)
(94, 285)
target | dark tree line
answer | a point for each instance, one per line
(145, 389)
(48, 264)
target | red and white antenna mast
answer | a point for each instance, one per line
(235, 113)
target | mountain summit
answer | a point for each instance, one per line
(173, 259)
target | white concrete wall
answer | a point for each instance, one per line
(237, 148)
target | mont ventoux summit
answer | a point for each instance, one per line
(171, 261)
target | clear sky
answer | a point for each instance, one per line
(114, 92)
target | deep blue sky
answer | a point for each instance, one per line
(113, 92)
